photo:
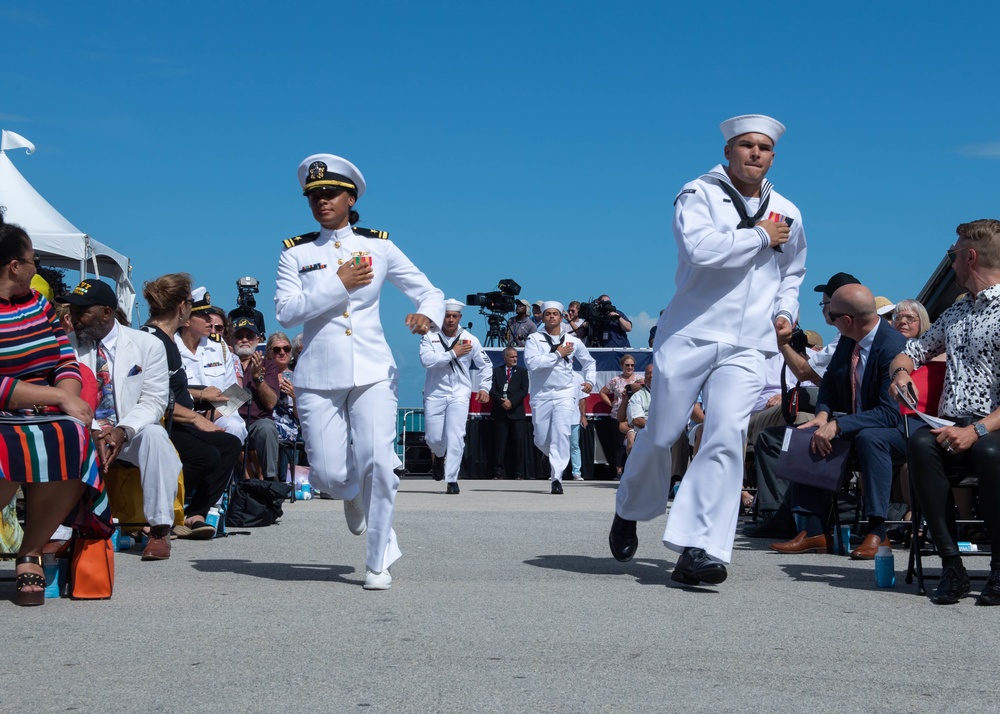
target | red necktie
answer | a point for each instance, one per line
(508, 374)
(855, 358)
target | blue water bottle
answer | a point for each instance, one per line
(885, 568)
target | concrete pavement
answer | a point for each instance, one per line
(506, 600)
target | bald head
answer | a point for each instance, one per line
(856, 300)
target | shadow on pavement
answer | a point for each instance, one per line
(847, 578)
(279, 571)
(645, 571)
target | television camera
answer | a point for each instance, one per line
(495, 305)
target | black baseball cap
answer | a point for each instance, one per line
(90, 292)
(245, 323)
(838, 281)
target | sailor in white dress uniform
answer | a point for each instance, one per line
(345, 379)
(449, 357)
(555, 401)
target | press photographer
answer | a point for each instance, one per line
(608, 325)
(246, 288)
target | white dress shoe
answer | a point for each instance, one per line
(378, 581)
(354, 512)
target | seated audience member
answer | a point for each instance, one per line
(574, 324)
(772, 492)
(222, 333)
(638, 406)
(50, 455)
(853, 403)
(286, 413)
(911, 319)
(884, 307)
(966, 334)
(207, 452)
(208, 365)
(519, 326)
(260, 377)
(613, 394)
(613, 330)
(510, 387)
(131, 369)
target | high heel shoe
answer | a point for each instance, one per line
(27, 580)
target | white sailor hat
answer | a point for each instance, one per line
(329, 171)
(200, 299)
(552, 305)
(453, 305)
(752, 123)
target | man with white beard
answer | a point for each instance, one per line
(260, 378)
(555, 406)
(449, 357)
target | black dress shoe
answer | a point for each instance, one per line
(438, 468)
(557, 487)
(954, 585)
(452, 488)
(991, 593)
(622, 539)
(780, 526)
(696, 566)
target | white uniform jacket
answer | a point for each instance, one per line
(209, 365)
(343, 342)
(140, 377)
(730, 284)
(448, 375)
(549, 375)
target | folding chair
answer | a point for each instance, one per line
(929, 382)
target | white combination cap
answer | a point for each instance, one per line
(329, 171)
(200, 299)
(453, 305)
(752, 124)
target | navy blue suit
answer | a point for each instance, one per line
(876, 430)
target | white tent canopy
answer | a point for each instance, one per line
(58, 242)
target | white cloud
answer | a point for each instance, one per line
(642, 323)
(989, 150)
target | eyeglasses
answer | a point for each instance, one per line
(282, 350)
(902, 317)
(952, 252)
(36, 261)
(834, 316)
(824, 303)
(218, 328)
(629, 365)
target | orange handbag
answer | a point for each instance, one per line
(91, 569)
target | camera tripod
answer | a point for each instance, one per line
(496, 329)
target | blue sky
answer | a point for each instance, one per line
(543, 142)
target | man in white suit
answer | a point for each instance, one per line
(330, 281)
(134, 399)
(449, 357)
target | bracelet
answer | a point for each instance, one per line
(892, 377)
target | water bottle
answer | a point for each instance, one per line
(885, 568)
(114, 535)
(125, 541)
(967, 547)
(844, 546)
(306, 492)
(212, 519)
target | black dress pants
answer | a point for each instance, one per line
(208, 458)
(509, 433)
(928, 462)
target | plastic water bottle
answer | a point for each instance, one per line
(114, 535)
(844, 546)
(306, 492)
(885, 568)
(967, 547)
(212, 519)
(125, 541)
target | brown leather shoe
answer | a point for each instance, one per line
(158, 545)
(868, 548)
(802, 543)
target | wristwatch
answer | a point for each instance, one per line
(259, 379)
(981, 429)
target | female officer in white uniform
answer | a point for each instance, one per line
(449, 357)
(345, 379)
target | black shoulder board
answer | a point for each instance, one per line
(299, 240)
(215, 336)
(371, 233)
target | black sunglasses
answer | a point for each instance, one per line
(281, 350)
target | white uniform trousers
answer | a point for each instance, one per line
(159, 469)
(707, 504)
(234, 424)
(553, 421)
(445, 418)
(349, 435)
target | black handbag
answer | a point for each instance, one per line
(256, 503)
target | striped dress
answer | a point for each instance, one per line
(50, 447)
